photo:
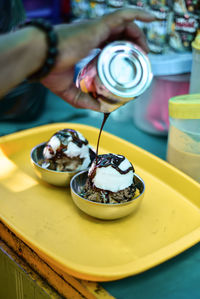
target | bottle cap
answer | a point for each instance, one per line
(196, 42)
(185, 106)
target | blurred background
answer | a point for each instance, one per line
(179, 20)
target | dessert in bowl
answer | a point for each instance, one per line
(57, 160)
(110, 189)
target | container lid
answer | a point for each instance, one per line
(124, 69)
(196, 42)
(170, 63)
(185, 106)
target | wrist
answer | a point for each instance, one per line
(45, 47)
(35, 43)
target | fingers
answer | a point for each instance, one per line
(125, 15)
(134, 33)
(62, 85)
(78, 99)
(129, 32)
(76, 40)
(120, 25)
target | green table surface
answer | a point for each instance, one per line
(178, 278)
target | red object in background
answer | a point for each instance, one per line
(65, 9)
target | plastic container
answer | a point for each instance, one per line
(195, 73)
(171, 78)
(183, 150)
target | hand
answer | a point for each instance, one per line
(75, 42)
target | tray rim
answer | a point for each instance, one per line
(188, 240)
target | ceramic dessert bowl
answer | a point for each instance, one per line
(104, 211)
(53, 177)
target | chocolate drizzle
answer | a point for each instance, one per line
(110, 160)
(65, 136)
(50, 149)
(66, 133)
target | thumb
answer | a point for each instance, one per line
(79, 99)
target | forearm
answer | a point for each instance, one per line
(21, 53)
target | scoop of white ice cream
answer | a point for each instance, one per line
(68, 143)
(112, 172)
(50, 150)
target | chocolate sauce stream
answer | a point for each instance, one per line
(102, 125)
(109, 159)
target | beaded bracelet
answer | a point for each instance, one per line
(52, 52)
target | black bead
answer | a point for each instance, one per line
(53, 52)
(50, 61)
(52, 38)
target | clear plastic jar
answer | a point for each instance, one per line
(171, 78)
(183, 149)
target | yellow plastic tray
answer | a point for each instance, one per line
(45, 218)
